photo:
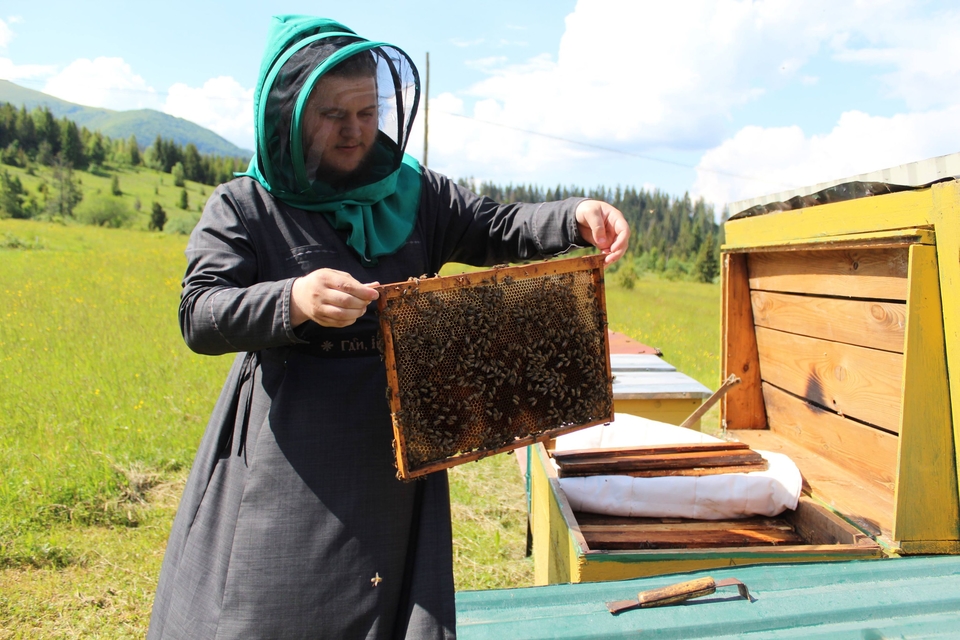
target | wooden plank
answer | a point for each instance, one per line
(818, 525)
(853, 381)
(595, 520)
(679, 539)
(621, 565)
(742, 408)
(581, 454)
(869, 453)
(688, 526)
(937, 547)
(867, 323)
(660, 473)
(558, 544)
(855, 273)
(869, 240)
(907, 209)
(850, 494)
(926, 495)
(947, 212)
(663, 462)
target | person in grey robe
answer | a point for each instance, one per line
(293, 523)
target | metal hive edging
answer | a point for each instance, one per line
(486, 362)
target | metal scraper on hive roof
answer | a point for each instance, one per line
(486, 362)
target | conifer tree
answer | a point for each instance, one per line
(178, 174)
(26, 130)
(48, 130)
(134, 150)
(65, 194)
(12, 196)
(706, 267)
(97, 149)
(71, 145)
(158, 217)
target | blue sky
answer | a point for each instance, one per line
(726, 99)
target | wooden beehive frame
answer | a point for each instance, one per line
(575, 547)
(843, 321)
(408, 306)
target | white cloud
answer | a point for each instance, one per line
(102, 82)
(474, 147)
(920, 50)
(631, 76)
(651, 73)
(14, 72)
(221, 104)
(641, 76)
(6, 34)
(785, 157)
(489, 64)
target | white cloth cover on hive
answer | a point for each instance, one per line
(716, 497)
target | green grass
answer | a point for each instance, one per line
(681, 318)
(102, 407)
(92, 370)
(137, 184)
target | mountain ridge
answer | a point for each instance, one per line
(145, 124)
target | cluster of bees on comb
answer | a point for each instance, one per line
(479, 367)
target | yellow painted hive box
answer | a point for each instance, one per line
(843, 322)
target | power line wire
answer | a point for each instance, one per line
(613, 150)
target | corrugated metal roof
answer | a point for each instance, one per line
(915, 597)
(912, 174)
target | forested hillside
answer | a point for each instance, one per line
(59, 171)
(145, 124)
(674, 236)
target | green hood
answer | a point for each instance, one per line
(376, 205)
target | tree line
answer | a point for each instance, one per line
(38, 136)
(675, 236)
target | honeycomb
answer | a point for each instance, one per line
(493, 360)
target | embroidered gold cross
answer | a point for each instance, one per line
(376, 579)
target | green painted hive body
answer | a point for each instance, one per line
(910, 597)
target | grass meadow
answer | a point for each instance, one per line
(140, 188)
(102, 407)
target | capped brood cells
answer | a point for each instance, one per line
(489, 361)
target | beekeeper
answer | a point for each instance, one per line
(293, 523)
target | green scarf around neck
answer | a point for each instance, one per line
(376, 210)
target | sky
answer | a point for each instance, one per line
(724, 99)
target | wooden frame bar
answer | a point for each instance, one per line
(743, 408)
(397, 294)
(926, 508)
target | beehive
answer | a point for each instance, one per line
(842, 319)
(489, 361)
(843, 322)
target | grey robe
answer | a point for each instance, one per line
(293, 524)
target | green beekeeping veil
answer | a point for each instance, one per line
(375, 200)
